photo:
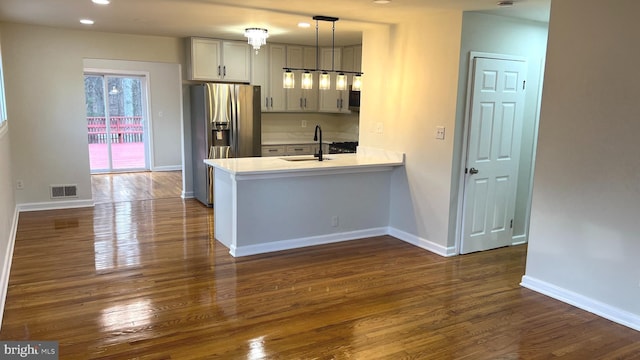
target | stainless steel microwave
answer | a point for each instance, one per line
(354, 100)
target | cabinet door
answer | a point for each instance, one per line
(205, 59)
(236, 61)
(310, 96)
(260, 75)
(276, 93)
(295, 101)
(330, 99)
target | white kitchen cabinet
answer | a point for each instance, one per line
(300, 149)
(267, 73)
(332, 100)
(218, 60)
(351, 60)
(274, 150)
(298, 99)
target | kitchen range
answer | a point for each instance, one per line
(346, 147)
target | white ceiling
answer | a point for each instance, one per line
(228, 18)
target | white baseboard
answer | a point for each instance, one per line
(614, 314)
(55, 205)
(519, 239)
(8, 258)
(304, 242)
(167, 168)
(422, 243)
(187, 195)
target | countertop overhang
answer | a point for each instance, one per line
(365, 160)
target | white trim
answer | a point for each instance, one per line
(167, 168)
(55, 205)
(8, 258)
(304, 242)
(519, 239)
(423, 243)
(614, 314)
(187, 195)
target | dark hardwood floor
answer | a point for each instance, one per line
(145, 279)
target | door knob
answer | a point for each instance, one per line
(473, 171)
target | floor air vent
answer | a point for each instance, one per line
(63, 191)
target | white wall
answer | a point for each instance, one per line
(8, 213)
(584, 240)
(45, 101)
(409, 88)
(509, 36)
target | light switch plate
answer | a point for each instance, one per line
(440, 132)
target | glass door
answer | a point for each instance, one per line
(116, 118)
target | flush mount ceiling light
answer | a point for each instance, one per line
(381, 1)
(86, 21)
(288, 77)
(256, 37)
(101, 2)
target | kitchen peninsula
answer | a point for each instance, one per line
(277, 203)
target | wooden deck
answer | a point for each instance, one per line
(145, 279)
(125, 156)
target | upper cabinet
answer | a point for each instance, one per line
(298, 99)
(267, 73)
(218, 60)
(333, 100)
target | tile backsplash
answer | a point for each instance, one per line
(287, 127)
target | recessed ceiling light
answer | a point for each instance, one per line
(86, 21)
(381, 1)
(304, 25)
(101, 2)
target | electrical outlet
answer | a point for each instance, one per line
(303, 123)
(334, 221)
(440, 132)
(19, 184)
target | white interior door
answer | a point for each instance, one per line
(493, 152)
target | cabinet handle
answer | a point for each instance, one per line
(271, 102)
(273, 150)
(266, 101)
(305, 103)
(338, 103)
(298, 149)
(219, 72)
(300, 102)
(224, 71)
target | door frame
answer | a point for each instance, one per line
(147, 138)
(465, 141)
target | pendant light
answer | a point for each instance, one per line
(288, 80)
(357, 82)
(307, 80)
(341, 82)
(324, 79)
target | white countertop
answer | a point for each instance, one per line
(365, 158)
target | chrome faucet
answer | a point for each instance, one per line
(319, 140)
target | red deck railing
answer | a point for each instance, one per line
(123, 129)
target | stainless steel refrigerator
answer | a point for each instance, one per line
(225, 122)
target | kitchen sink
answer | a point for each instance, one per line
(303, 158)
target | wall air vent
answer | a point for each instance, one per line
(63, 191)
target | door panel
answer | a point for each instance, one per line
(116, 119)
(497, 101)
